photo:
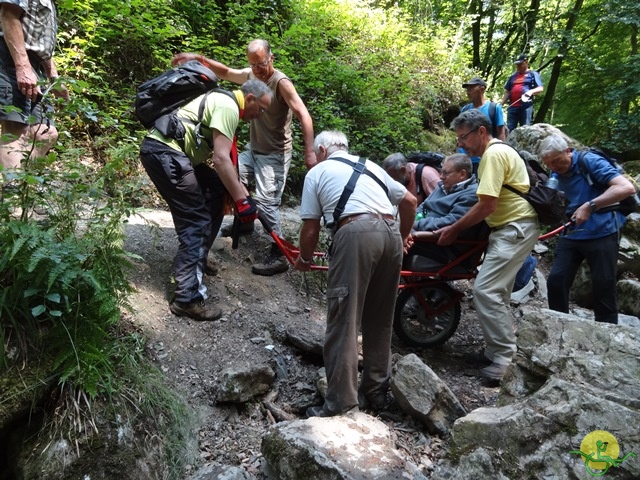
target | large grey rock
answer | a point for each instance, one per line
(571, 377)
(221, 472)
(242, 382)
(350, 447)
(529, 137)
(421, 393)
(629, 297)
(479, 464)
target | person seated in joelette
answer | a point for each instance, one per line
(454, 197)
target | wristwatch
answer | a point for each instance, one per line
(593, 206)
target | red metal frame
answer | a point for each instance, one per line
(410, 279)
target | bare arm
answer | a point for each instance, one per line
(505, 97)
(224, 166)
(220, 69)
(27, 79)
(407, 211)
(289, 94)
(535, 91)
(502, 133)
(619, 189)
(486, 206)
(309, 234)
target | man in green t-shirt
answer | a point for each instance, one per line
(195, 191)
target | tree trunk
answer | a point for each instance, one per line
(564, 48)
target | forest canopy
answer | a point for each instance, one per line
(387, 73)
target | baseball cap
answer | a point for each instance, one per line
(521, 58)
(475, 81)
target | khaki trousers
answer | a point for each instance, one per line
(508, 247)
(362, 286)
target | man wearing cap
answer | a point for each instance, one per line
(519, 92)
(475, 91)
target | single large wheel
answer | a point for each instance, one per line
(428, 315)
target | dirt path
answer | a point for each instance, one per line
(257, 311)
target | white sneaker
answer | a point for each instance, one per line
(521, 295)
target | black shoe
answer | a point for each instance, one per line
(321, 412)
(196, 311)
(378, 402)
(271, 266)
(211, 267)
(245, 229)
(477, 358)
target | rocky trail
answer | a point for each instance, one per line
(260, 315)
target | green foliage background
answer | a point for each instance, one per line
(387, 73)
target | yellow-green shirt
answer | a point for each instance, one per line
(501, 165)
(220, 113)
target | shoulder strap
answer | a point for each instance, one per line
(582, 165)
(365, 171)
(419, 188)
(198, 126)
(526, 165)
(493, 118)
(358, 169)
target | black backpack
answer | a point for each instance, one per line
(549, 203)
(430, 159)
(630, 204)
(171, 90)
(158, 99)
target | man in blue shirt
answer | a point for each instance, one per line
(519, 91)
(595, 235)
(475, 91)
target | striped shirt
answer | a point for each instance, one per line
(40, 26)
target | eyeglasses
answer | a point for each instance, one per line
(264, 64)
(463, 137)
(445, 173)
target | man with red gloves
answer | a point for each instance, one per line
(195, 191)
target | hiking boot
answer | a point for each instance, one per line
(321, 412)
(272, 265)
(378, 402)
(195, 310)
(477, 358)
(245, 229)
(495, 371)
(211, 267)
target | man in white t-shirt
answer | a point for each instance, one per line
(364, 271)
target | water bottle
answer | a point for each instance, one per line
(552, 182)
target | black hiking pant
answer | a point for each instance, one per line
(195, 196)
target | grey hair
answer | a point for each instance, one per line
(472, 119)
(552, 144)
(460, 161)
(259, 44)
(331, 140)
(256, 87)
(394, 162)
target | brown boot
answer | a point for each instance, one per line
(196, 311)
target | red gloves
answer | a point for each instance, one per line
(247, 210)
